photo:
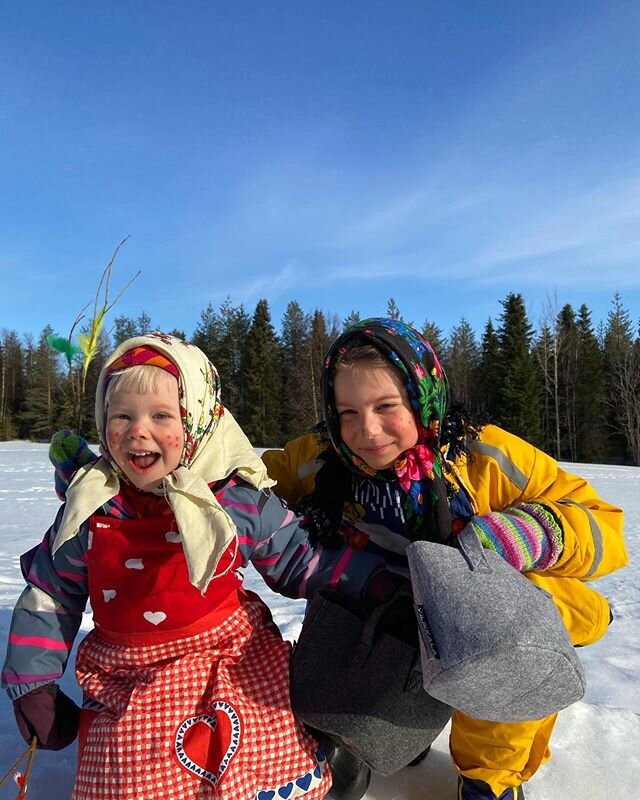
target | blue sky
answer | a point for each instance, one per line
(336, 153)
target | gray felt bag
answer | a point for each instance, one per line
(493, 644)
(356, 676)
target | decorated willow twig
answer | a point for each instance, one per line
(20, 778)
(87, 346)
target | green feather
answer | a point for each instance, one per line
(64, 346)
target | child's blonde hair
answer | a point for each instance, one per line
(141, 378)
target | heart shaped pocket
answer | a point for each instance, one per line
(205, 744)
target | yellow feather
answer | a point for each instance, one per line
(89, 343)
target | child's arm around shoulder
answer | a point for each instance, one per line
(295, 467)
(505, 471)
(282, 550)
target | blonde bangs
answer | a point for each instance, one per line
(140, 379)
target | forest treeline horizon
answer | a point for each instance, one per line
(569, 386)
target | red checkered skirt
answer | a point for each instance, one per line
(205, 716)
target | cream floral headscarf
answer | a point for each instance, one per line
(214, 447)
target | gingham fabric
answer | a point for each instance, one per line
(206, 716)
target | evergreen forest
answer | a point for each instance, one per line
(569, 385)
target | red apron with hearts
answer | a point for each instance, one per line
(200, 710)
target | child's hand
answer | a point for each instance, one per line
(68, 452)
(48, 714)
(528, 536)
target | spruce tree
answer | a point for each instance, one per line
(433, 334)
(298, 412)
(591, 431)
(234, 324)
(351, 319)
(43, 397)
(12, 383)
(518, 385)
(206, 335)
(568, 368)
(262, 404)
(487, 401)
(622, 373)
(126, 328)
(144, 324)
(546, 358)
(393, 312)
(321, 339)
(461, 361)
(123, 328)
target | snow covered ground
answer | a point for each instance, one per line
(596, 742)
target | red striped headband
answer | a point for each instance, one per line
(143, 355)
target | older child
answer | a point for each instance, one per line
(393, 464)
(185, 677)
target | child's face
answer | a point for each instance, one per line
(376, 420)
(144, 432)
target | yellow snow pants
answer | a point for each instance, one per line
(502, 754)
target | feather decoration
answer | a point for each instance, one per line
(64, 346)
(89, 342)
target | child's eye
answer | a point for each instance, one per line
(387, 406)
(346, 412)
(162, 415)
(119, 416)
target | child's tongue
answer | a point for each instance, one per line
(143, 460)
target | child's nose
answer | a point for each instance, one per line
(370, 425)
(138, 429)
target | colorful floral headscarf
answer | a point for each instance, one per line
(420, 469)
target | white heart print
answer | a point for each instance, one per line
(173, 537)
(108, 594)
(155, 617)
(134, 563)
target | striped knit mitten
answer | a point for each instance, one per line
(68, 452)
(528, 536)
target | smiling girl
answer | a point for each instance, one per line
(185, 677)
(394, 462)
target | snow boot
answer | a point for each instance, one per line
(351, 777)
(469, 789)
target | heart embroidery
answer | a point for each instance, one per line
(173, 537)
(301, 786)
(155, 617)
(134, 563)
(305, 782)
(206, 744)
(108, 594)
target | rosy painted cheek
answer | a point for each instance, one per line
(113, 439)
(173, 441)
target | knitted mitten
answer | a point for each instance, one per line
(528, 536)
(68, 452)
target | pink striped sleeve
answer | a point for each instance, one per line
(39, 641)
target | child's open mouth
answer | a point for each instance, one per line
(143, 460)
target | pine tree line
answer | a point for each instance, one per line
(570, 388)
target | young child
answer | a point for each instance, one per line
(394, 463)
(185, 677)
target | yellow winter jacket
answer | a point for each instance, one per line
(502, 471)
